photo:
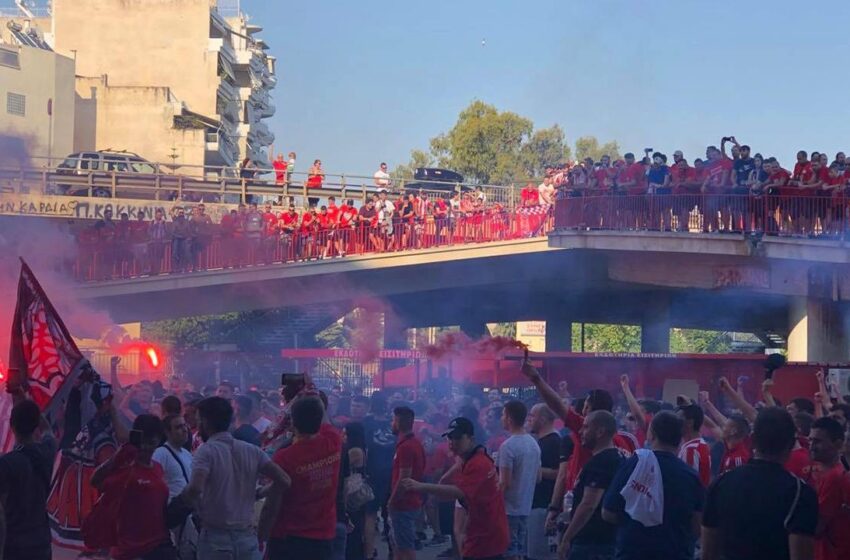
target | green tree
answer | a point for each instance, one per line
(484, 145)
(546, 147)
(198, 332)
(588, 146)
(693, 341)
(607, 338)
(502, 329)
(418, 158)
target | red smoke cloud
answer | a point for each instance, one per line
(458, 344)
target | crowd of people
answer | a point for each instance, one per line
(733, 189)
(189, 240)
(302, 473)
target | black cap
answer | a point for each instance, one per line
(459, 427)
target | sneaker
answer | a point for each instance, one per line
(437, 540)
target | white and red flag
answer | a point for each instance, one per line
(44, 360)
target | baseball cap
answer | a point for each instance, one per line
(459, 427)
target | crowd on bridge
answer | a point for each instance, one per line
(251, 234)
(302, 473)
(732, 190)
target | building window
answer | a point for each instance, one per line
(9, 57)
(16, 104)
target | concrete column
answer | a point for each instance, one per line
(817, 331)
(655, 325)
(474, 328)
(559, 334)
(395, 332)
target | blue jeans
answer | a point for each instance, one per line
(223, 544)
(591, 552)
(518, 529)
(403, 525)
(341, 537)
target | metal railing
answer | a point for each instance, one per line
(784, 211)
(110, 254)
(159, 181)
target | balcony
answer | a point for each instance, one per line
(220, 149)
(260, 135)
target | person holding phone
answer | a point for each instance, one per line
(141, 524)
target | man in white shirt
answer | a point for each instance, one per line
(546, 192)
(386, 209)
(382, 178)
(175, 460)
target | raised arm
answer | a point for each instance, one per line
(634, 405)
(740, 402)
(767, 392)
(547, 393)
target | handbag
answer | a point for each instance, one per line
(358, 493)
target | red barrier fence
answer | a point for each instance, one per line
(108, 259)
(788, 212)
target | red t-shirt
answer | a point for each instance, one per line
(798, 463)
(529, 196)
(680, 175)
(487, 522)
(270, 221)
(802, 171)
(308, 507)
(141, 516)
(409, 454)
(736, 456)
(635, 172)
(700, 174)
(279, 171)
(333, 216)
(307, 222)
(833, 488)
(718, 172)
(605, 177)
(697, 455)
(288, 220)
(346, 216)
(780, 176)
(324, 221)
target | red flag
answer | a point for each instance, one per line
(42, 355)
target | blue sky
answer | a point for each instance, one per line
(366, 81)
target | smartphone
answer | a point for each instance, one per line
(136, 438)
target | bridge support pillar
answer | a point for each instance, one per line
(655, 325)
(474, 328)
(395, 332)
(559, 334)
(818, 331)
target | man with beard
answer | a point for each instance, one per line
(408, 463)
(832, 484)
(588, 535)
(476, 487)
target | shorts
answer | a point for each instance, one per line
(538, 542)
(518, 529)
(403, 527)
(381, 488)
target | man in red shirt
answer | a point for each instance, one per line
(347, 219)
(528, 195)
(405, 507)
(306, 521)
(597, 399)
(331, 226)
(833, 487)
(632, 176)
(287, 225)
(604, 174)
(476, 487)
(801, 168)
(279, 170)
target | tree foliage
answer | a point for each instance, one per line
(202, 331)
(589, 147)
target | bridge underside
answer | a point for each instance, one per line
(723, 283)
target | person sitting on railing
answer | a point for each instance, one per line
(381, 177)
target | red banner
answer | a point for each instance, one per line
(42, 354)
(308, 353)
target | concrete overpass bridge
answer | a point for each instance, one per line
(790, 289)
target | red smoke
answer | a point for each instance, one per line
(457, 344)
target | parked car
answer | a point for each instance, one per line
(435, 179)
(100, 164)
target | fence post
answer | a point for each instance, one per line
(244, 194)
(114, 183)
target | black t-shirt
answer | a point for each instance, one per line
(742, 169)
(248, 434)
(755, 507)
(380, 447)
(25, 483)
(550, 458)
(597, 473)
